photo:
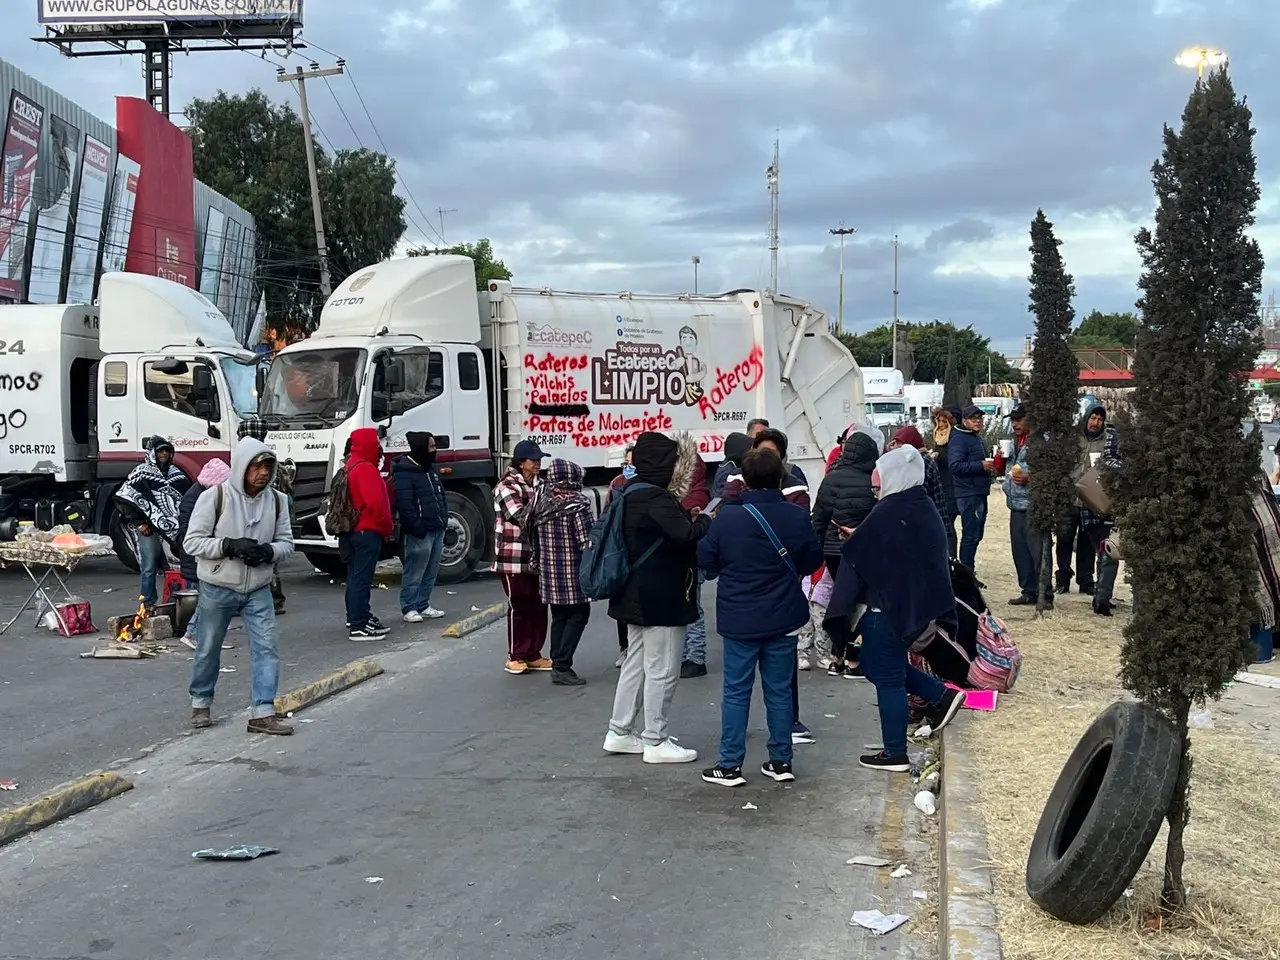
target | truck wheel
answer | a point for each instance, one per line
(327, 562)
(1104, 812)
(464, 539)
(123, 540)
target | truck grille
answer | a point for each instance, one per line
(309, 489)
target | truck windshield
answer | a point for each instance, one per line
(887, 406)
(314, 384)
(240, 386)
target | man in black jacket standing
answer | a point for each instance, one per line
(657, 603)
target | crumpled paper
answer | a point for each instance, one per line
(243, 851)
(877, 922)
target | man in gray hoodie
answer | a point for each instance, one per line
(238, 531)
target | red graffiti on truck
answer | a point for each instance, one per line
(745, 375)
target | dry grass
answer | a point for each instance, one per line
(1071, 660)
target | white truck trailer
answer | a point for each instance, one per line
(409, 345)
(84, 386)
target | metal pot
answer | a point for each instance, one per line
(184, 608)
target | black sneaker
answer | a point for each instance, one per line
(1022, 602)
(689, 669)
(853, 671)
(835, 670)
(947, 710)
(802, 734)
(780, 772)
(1062, 589)
(566, 678)
(1087, 589)
(882, 761)
(1104, 611)
(364, 634)
(724, 776)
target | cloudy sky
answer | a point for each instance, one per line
(602, 143)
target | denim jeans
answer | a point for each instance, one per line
(777, 661)
(419, 566)
(193, 625)
(884, 663)
(363, 549)
(216, 608)
(695, 635)
(973, 523)
(1028, 547)
(151, 563)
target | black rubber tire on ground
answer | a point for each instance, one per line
(1104, 812)
(327, 562)
(465, 539)
(122, 540)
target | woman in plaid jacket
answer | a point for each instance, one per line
(560, 518)
(516, 562)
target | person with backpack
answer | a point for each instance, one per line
(424, 517)
(238, 531)
(366, 523)
(257, 428)
(658, 597)
(759, 550)
(895, 564)
(516, 561)
(618, 482)
(560, 520)
(211, 474)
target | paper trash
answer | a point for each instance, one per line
(877, 922)
(243, 851)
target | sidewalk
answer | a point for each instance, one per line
(450, 808)
(62, 717)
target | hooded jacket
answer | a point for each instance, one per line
(151, 493)
(736, 446)
(368, 490)
(213, 473)
(909, 436)
(264, 518)
(1092, 445)
(561, 520)
(662, 591)
(965, 455)
(845, 496)
(420, 496)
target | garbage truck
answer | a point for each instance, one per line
(82, 387)
(410, 345)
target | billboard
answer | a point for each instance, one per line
(211, 262)
(124, 197)
(73, 12)
(18, 157)
(57, 179)
(90, 207)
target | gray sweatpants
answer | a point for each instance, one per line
(647, 681)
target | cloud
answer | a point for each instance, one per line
(601, 144)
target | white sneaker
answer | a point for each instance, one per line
(824, 662)
(623, 743)
(431, 613)
(621, 658)
(804, 664)
(413, 616)
(669, 751)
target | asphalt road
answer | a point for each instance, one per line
(62, 717)
(447, 809)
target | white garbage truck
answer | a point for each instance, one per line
(409, 345)
(82, 387)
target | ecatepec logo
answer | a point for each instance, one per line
(549, 336)
(360, 282)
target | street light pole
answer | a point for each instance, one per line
(1200, 57)
(696, 260)
(841, 231)
(895, 301)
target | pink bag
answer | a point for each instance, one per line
(77, 617)
(998, 661)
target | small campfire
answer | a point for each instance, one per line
(131, 630)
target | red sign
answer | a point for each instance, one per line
(162, 242)
(17, 179)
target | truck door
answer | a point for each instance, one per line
(168, 408)
(423, 404)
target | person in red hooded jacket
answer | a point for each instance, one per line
(374, 527)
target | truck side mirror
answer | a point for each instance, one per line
(260, 380)
(393, 376)
(203, 392)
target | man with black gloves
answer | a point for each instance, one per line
(256, 427)
(238, 531)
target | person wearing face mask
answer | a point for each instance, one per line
(148, 500)
(239, 530)
(424, 517)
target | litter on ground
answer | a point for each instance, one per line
(8, 784)
(1258, 680)
(243, 851)
(372, 879)
(877, 922)
(749, 806)
(926, 803)
(902, 871)
(865, 861)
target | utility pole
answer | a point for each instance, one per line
(895, 300)
(841, 231)
(300, 78)
(696, 260)
(442, 211)
(771, 179)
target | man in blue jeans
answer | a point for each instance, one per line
(148, 501)
(971, 478)
(759, 549)
(424, 516)
(238, 531)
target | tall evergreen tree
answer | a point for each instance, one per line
(950, 377)
(1182, 495)
(1051, 408)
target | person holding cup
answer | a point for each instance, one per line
(971, 475)
(1082, 531)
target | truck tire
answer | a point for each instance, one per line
(464, 540)
(1104, 812)
(327, 562)
(122, 540)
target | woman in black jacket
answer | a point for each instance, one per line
(844, 500)
(658, 601)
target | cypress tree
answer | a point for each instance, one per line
(950, 377)
(1181, 497)
(1054, 444)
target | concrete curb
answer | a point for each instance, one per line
(341, 679)
(966, 911)
(65, 801)
(476, 621)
